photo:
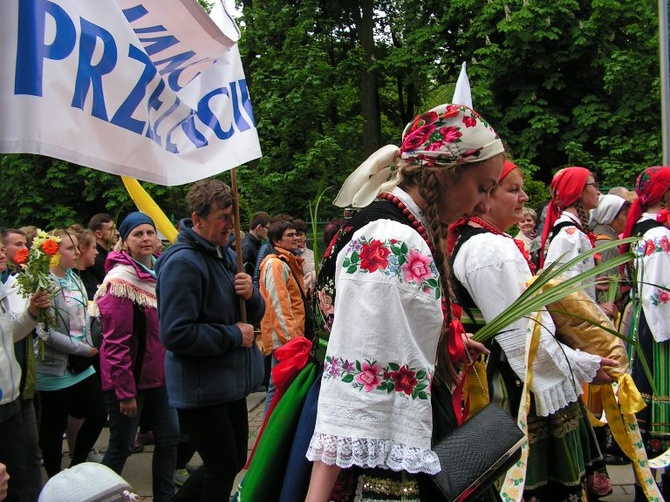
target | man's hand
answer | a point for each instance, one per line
(244, 287)
(247, 333)
(128, 407)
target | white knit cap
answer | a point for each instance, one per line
(87, 482)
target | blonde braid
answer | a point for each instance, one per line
(582, 216)
(429, 189)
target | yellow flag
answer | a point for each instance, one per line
(146, 204)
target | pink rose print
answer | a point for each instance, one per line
(570, 230)
(664, 296)
(369, 376)
(649, 248)
(665, 244)
(417, 267)
(374, 256)
(469, 121)
(418, 137)
(404, 379)
(325, 303)
(450, 134)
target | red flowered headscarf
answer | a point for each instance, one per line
(566, 189)
(448, 135)
(445, 136)
(651, 186)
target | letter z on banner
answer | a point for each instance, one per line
(150, 89)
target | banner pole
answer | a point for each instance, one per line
(238, 241)
(665, 78)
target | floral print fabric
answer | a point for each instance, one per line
(652, 265)
(374, 404)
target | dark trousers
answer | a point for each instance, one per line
(13, 449)
(82, 400)
(122, 432)
(220, 435)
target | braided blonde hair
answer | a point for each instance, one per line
(425, 179)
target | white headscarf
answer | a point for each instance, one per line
(608, 207)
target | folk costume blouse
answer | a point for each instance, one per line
(568, 243)
(495, 273)
(374, 404)
(652, 264)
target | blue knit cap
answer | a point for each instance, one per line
(133, 220)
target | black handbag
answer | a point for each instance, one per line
(78, 364)
(474, 455)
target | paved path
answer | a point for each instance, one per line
(138, 468)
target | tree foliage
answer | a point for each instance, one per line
(565, 82)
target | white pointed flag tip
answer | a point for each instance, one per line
(462, 93)
(149, 89)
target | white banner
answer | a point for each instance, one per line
(150, 89)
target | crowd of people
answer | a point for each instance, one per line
(173, 341)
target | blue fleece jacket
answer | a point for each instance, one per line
(205, 362)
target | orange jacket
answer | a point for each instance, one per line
(281, 280)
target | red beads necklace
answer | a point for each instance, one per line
(416, 224)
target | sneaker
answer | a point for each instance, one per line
(94, 456)
(138, 448)
(146, 438)
(180, 477)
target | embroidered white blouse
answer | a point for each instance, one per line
(567, 244)
(652, 264)
(374, 405)
(494, 272)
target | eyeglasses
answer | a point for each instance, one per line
(593, 184)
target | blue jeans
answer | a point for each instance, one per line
(270, 394)
(122, 431)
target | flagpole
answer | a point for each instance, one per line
(238, 241)
(665, 78)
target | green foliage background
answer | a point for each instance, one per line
(565, 82)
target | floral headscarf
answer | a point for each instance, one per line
(447, 135)
(651, 186)
(566, 188)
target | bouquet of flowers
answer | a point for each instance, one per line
(35, 263)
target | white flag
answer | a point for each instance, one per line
(462, 94)
(150, 89)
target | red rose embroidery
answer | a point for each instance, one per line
(404, 379)
(374, 256)
(451, 111)
(649, 248)
(665, 244)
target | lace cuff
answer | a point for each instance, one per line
(346, 452)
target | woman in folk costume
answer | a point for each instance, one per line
(566, 234)
(389, 271)
(652, 309)
(484, 259)
(608, 221)
(132, 356)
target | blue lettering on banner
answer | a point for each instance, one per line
(31, 50)
(173, 123)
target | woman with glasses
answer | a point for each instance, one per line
(566, 234)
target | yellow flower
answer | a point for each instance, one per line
(55, 260)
